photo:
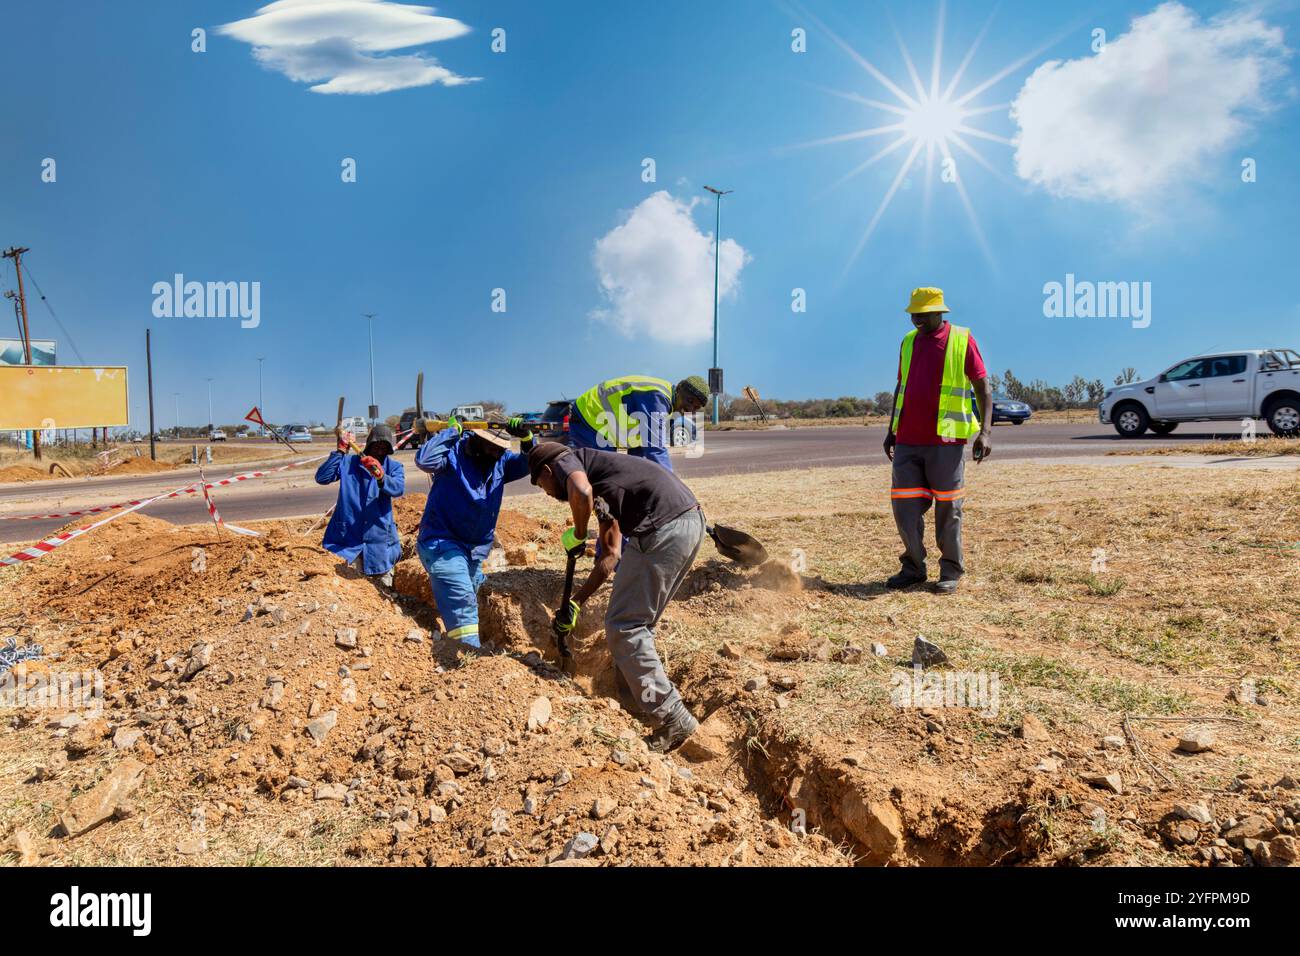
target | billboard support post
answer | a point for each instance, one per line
(148, 359)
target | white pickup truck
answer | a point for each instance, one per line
(1225, 386)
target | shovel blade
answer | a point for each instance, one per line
(737, 546)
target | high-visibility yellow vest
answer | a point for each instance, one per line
(956, 417)
(602, 407)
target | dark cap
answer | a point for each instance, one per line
(543, 454)
(381, 433)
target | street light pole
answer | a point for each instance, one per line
(176, 407)
(370, 319)
(209, 406)
(260, 407)
(717, 255)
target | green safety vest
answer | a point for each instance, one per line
(602, 407)
(956, 418)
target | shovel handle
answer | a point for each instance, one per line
(561, 642)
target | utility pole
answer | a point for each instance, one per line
(374, 412)
(260, 407)
(209, 406)
(176, 407)
(16, 254)
(717, 254)
(148, 359)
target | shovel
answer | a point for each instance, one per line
(562, 642)
(737, 546)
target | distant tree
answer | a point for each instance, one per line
(1126, 377)
(1096, 391)
(883, 404)
(490, 407)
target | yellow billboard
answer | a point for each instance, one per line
(62, 396)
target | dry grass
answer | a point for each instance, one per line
(1266, 447)
(83, 459)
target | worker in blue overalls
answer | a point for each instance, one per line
(362, 529)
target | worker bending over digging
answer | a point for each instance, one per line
(362, 529)
(470, 469)
(939, 371)
(634, 412)
(663, 526)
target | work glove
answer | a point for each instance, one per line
(516, 428)
(574, 546)
(566, 619)
(371, 464)
(452, 422)
(345, 441)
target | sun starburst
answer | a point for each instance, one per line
(931, 121)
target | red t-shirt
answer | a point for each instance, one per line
(918, 425)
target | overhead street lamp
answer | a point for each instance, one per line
(715, 373)
(374, 409)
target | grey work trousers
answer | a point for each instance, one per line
(651, 570)
(925, 474)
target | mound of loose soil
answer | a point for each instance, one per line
(22, 473)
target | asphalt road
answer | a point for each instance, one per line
(293, 493)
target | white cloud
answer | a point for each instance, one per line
(339, 44)
(656, 272)
(1154, 109)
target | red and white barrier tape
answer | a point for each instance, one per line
(216, 515)
(41, 548)
(190, 490)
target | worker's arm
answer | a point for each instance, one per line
(328, 472)
(890, 438)
(516, 464)
(611, 551)
(432, 456)
(984, 398)
(394, 483)
(582, 502)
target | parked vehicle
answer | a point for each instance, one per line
(1224, 386)
(554, 422)
(683, 430)
(295, 433)
(357, 425)
(216, 434)
(468, 413)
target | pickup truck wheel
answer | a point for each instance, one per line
(1163, 428)
(1131, 420)
(1284, 417)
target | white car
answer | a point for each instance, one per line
(216, 434)
(1225, 386)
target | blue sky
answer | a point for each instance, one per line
(522, 171)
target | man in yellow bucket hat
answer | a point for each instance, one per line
(940, 370)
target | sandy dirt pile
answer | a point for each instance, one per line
(264, 705)
(22, 473)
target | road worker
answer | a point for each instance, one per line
(634, 412)
(362, 530)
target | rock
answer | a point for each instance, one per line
(415, 635)
(580, 847)
(603, 807)
(878, 650)
(378, 701)
(874, 823)
(1033, 730)
(1105, 781)
(1253, 827)
(21, 845)
(319, 728)
(1185, 832)
(332, 791)
(1197, 812)
(1048, 765)
(539, 713)
(850, 654)
(273, 696)
(1196, 741)
(785, 681)
(927, 654)
(756, 683)
(459, 764)
(609, 840)
(500, 821)
(98, 804)
(1284, 850)
(524, 557)
(126, 737)
(346, 638)
(731, 651)
(200, 657)
(85, 737)
(434, 813)
(1113, 742)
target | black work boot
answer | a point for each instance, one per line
(903, 579)
(673, 732)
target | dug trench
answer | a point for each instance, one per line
(263, 705)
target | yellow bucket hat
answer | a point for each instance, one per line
(927, 299)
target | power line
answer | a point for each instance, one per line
(66, 334)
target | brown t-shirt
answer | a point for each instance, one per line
(639, 494)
